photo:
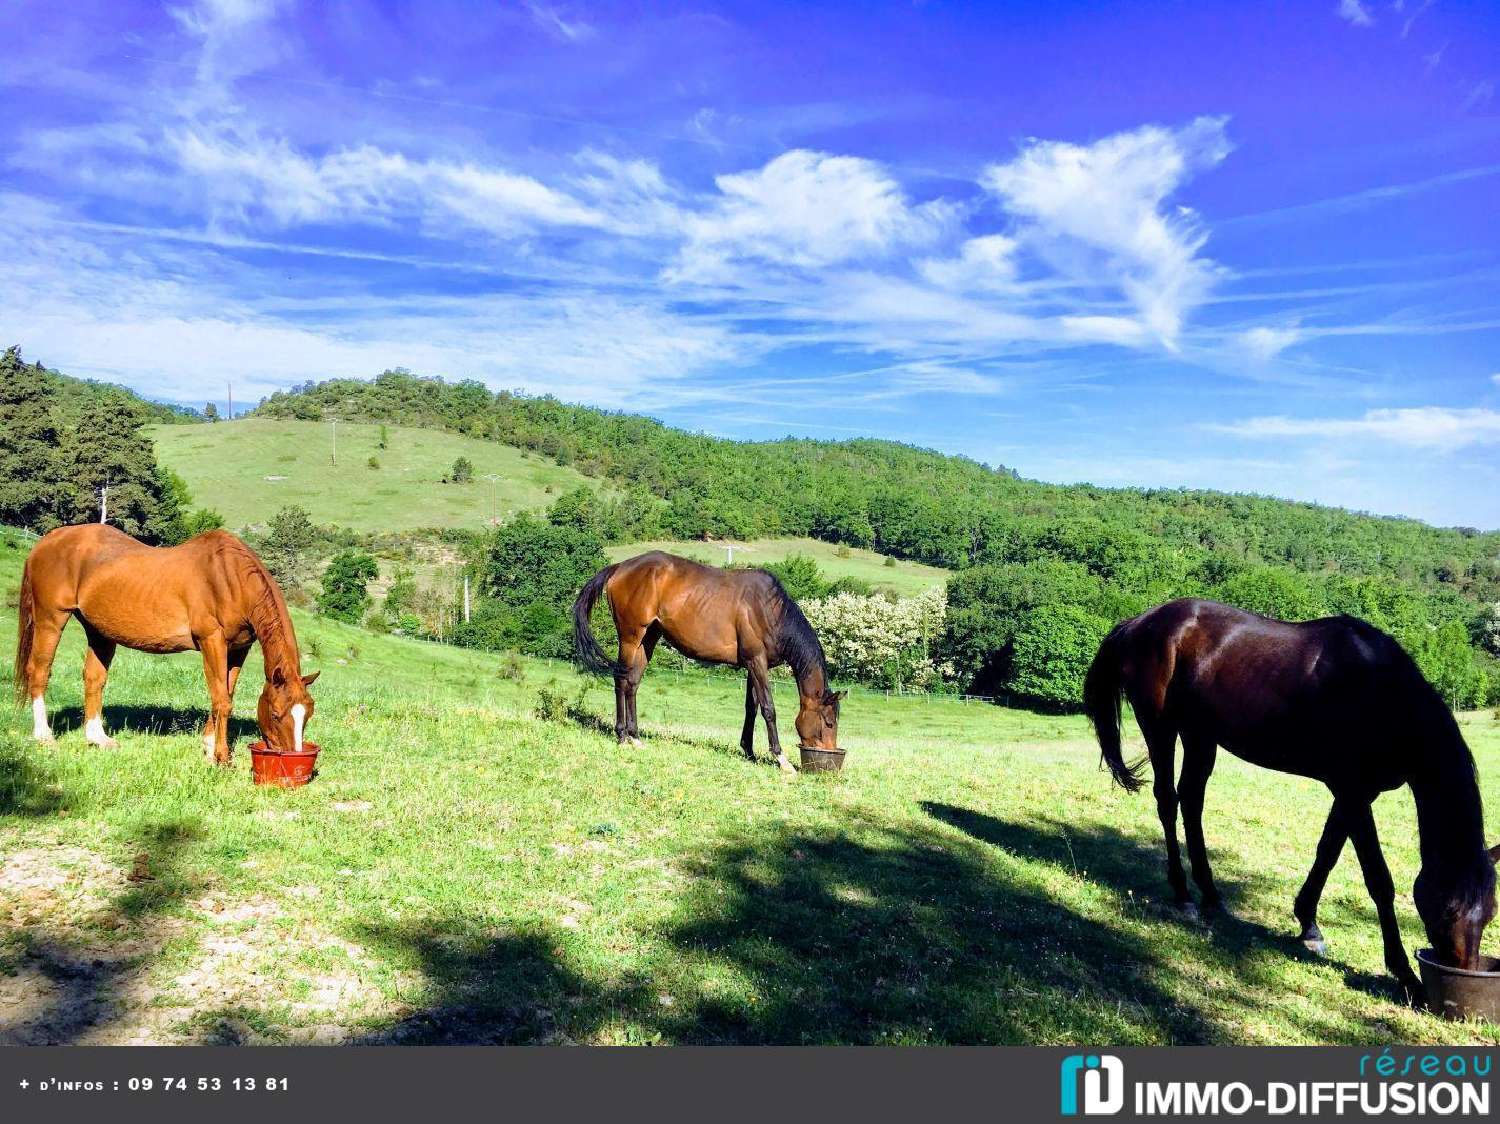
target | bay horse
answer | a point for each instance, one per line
(210, 593)
(742, 618)
(1336, 700)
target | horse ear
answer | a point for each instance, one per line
(309, 680)
(838, 696)
(278, 678)
(1495, 853)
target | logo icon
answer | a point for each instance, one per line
(1103, 1084)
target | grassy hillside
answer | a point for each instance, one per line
(906, 578)
(248, 469)
(463, 871)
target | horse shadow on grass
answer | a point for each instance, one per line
(129, 718)
(1137, 869)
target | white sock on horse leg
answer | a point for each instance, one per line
(93, 731)
(39, 727)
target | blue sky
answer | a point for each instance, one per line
(1243, 246)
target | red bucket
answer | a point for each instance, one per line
(283, 768)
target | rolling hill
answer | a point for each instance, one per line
(249, 468)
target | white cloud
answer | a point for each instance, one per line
(1355, 12)
(805, 210)
(1495, 378)
(983, 263)
(551, 19)
(1265, 343)
(1095, 212)
(1438, 428)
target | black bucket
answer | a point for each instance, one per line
(1457, 993)
(821, 760)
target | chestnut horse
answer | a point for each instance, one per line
(211, 593)
(743, 618)
(1336, 700)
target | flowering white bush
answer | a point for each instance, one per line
(879, 640)
(1492, 629)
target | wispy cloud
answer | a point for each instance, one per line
(1355, 12)
(1264, 342)
(1423, 427)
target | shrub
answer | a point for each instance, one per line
(880, 640)
(373, 462)
(462, 471)
(346, 582)
(1053, 652)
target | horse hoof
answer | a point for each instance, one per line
(104, 743)
(45, 739)
(1315, 945)
(635, 742)
(1189, 912)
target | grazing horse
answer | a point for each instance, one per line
(1336, 700)
(211, 593)
(743, 618)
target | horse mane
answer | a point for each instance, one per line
(796, 642)
(267, 610)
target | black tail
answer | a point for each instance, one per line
(585, 646)
(1101, 701)
(24, 632)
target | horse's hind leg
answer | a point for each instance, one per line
(46, 631)
(1305, 907)
(1161, 744)
(633, 666)
(96, 661)
(1198, 755)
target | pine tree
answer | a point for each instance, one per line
(108, 448)
(29, 461)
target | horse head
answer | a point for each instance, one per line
(1455, 906)
(818, 720)
(284, 710)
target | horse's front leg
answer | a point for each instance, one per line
(747, 735)
(216, 674)
(1305, 907)
(1361, 823)
(760, 682)
(96, 661)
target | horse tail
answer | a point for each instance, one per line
(1101, 700)
(585, 645)
(24, 632)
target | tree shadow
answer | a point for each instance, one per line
(158, 720)
(26, 789)
(871, 934)
(86, 976)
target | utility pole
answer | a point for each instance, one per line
(229, 386)
(466, 598)
(104, 504)
(334, 460)
(729, 547)
(494, 479)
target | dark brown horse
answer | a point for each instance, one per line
(211, 593)
(743, 618)
(1336, 700)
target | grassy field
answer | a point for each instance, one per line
(463, 871)
(248, 469)
(905, 578)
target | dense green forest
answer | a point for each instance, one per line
(1044, 568)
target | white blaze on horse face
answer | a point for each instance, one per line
(39, 728)
(299, 716)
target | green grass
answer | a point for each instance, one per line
(461, 871)
(248, 469)
(906, 578)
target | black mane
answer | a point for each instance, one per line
(796, 642)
